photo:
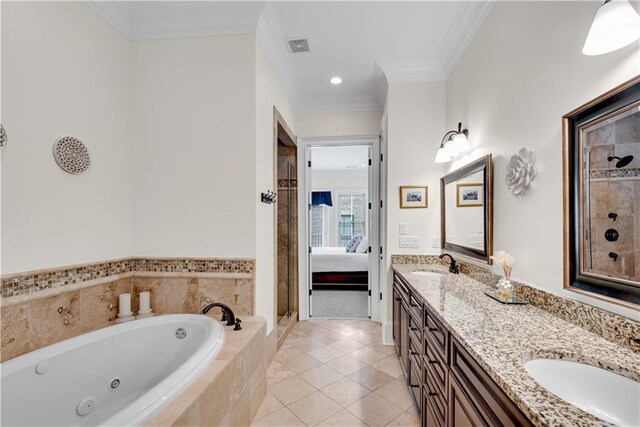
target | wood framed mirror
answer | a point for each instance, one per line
(466, 210)
(601, 173)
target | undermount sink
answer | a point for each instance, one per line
(429, 273)
(604, 394)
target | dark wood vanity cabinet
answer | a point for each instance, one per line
(449, 387)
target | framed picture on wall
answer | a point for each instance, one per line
(414, 196)
(469, 195)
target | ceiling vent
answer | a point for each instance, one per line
(298, 45)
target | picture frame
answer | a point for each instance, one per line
(469, 195)
(591, 162)
(414, 196)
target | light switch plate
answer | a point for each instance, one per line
(402, 229)
(409, 242)
(435, 241)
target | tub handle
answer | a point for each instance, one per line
(238, 327)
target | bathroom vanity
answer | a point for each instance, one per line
(463, 353)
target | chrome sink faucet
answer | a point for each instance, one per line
(227, 314)
(453, 267)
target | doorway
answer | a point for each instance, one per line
(286, 226)
(342, 229)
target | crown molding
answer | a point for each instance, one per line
(468, 20)
(270, 34)
(116, 13)
(163, 20)
(412, 71)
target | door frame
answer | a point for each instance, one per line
(279, 124)
(304, 200)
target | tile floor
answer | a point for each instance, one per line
(336, 372)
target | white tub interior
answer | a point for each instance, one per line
(145, 359)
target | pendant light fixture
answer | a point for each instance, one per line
(453, 143)
(615, 26)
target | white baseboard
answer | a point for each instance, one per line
(387, 333)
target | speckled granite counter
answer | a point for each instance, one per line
(502, 337)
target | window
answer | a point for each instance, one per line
(352, 217)
(317, 226)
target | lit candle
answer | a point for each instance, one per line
(145, 302)
(125, 305)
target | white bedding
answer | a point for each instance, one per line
(336, 259)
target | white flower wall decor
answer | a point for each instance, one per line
(521, 170)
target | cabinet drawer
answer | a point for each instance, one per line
(415, 356)
(415, 331)
(415, 306)
(429, 416)
(436, 400)
(437, 334)
(415, 386)
(437, 368)
(494, 405)
(402, 287)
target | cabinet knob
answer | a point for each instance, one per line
(433, 329)
(413, 329)
(415, 385)
(433, 362)
(431, 393)
(398, 298)
(413, 353)
(414, 305)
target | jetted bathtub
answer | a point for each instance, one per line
(121, 375)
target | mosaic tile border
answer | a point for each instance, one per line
(34, 281)
(610, 326)
(615, 173)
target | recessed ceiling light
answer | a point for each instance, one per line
(335, 80)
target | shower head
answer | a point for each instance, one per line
(622, 162)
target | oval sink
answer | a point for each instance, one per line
(428, 273)
(608, 396)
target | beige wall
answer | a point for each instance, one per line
(194, 133)
(415, 125)
(338, 124)
(64, 72)
(520, 74)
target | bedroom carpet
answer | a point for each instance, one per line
(330, 303)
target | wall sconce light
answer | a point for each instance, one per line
(453, 143)
(615, 26)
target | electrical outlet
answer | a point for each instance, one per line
(403, 229)
(409, 241)
(435, 241)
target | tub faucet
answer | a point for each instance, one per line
(227, 314)
(453, 267)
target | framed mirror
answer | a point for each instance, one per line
(466, 210)
(602, 196)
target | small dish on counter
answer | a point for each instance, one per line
(508, 300)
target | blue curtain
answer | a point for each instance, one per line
(321, 198)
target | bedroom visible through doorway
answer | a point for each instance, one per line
(339, 231)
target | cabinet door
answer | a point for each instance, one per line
(462, 410)
(404, 337)
(396, 319)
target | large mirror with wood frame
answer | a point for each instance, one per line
(602, 196)
(466, 210)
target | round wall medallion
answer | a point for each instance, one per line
(71, 155)
(3, 137)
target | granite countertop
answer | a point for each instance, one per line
(502, 337)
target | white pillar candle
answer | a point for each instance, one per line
(145, 302)
(125, 305)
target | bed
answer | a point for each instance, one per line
(334, 268)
